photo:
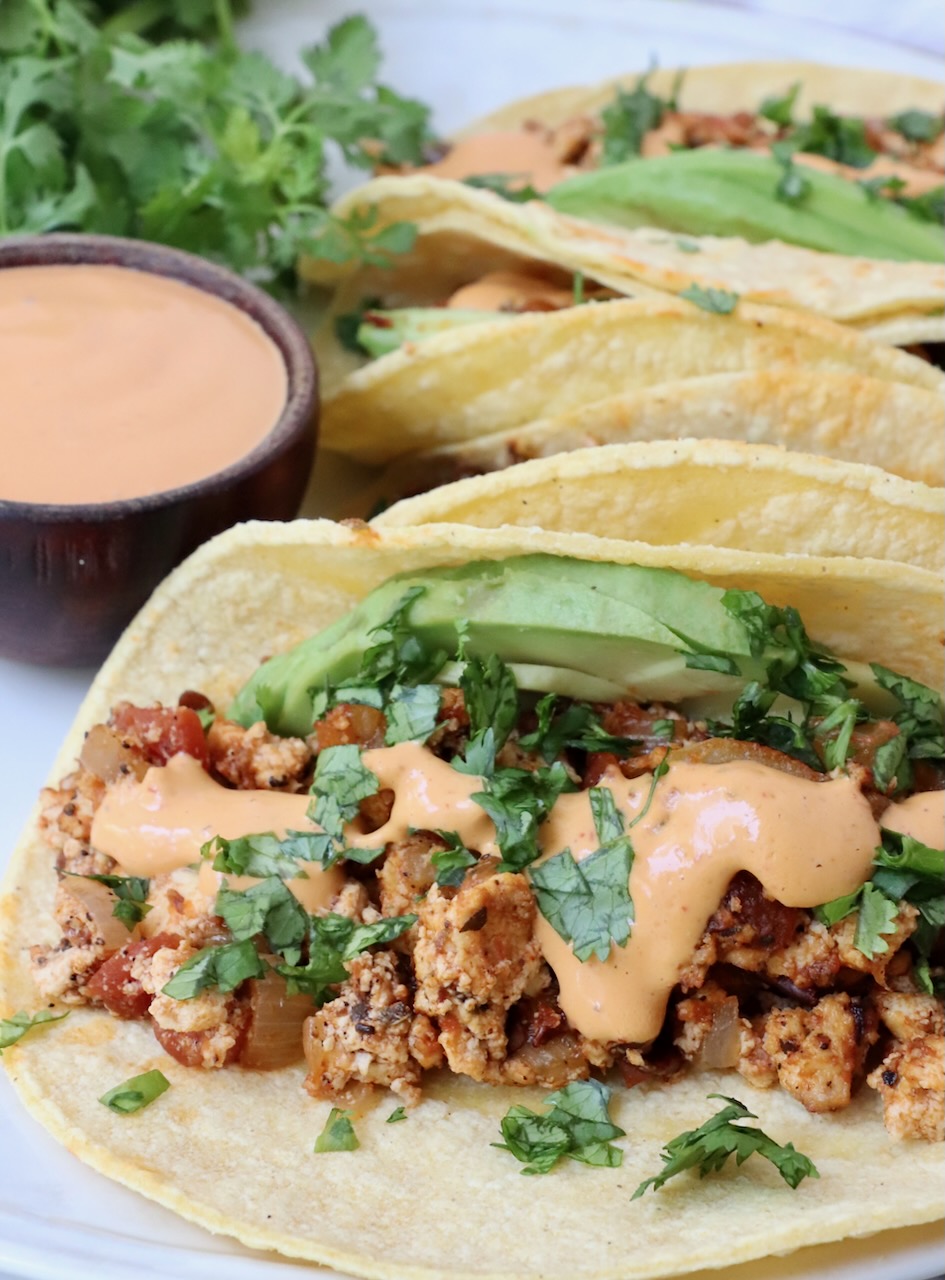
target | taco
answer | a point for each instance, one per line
(705, 492)
(838, 415)
(434, 946)
(447, 383)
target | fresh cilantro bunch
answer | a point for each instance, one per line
(195, 145)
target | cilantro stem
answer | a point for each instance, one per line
(135, 18)
(224, 21)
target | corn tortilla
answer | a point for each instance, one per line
(837, 414)
(703, 492)
(232, 1150)
(498, 376)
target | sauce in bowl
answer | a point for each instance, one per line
(116, 383)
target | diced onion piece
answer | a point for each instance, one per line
(722, 1044)
(104, 754)
(274, 1037)
(727, 750)
(99, 902)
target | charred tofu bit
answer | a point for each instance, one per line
(819, 1052)
(476, 955)
(256, 758)
(369, 1035)
(911, 1083)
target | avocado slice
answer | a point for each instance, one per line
(736, 193)
(586, 629)
(381, 332)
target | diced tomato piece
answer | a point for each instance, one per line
(120, 993)
(162, 732)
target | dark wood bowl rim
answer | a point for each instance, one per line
(141, 255)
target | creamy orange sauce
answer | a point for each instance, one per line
(807, 842)
(430, 795)
(922, 816)
(510, 291)
(527, 155)
(918, 181)
(116, 383)
(160, 823)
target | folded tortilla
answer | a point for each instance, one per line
(501, 375)
(232, 1150)
(704, 492)
(839, 415)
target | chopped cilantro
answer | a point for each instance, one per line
(341, 782)
(793, 186)
(780, 111)
(721, 301)
(577, 1126)
(131, 893)
(480, 756)
(921, 724)
(451, 863)
(136, 1093)
(688, 246)
(16, 1027)
(877, 187)
(491, 697)
(334, 939)
(267, 908)
(876, 915)
(628, 119)
(411, 712)
(396, 1116)
(928, 207)
(265, 854)
(587, 902)
(917, 126)
(608, 820)
(577, 726)
(509, 186)
(223, 967)
(338, 1133)
(518, 801)
(709, 1146)
(840, 138)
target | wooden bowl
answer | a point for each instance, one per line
(72, 576)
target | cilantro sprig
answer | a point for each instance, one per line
(131, 892)
(333, 940)
(710, 1146)
(576, 1125)
(106, 129)
(587, 902)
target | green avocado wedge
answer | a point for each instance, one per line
(586, 629)
(735, 193)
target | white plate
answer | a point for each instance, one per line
(59, 1219)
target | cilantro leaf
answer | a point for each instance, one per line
(917, 126)
(518, 801)
(412, 712)
(265, 854)
(338, 1133)
(223, 967)
(16, 1027)
(578, 726)
(628, 119)
(721, 301)
(136, 1093)
(396, 1116)
(267, 908)
(131, 893)
(780, 111)
(577, 1126)
(334, 939)
(501, 184)
(608, 820)
(710, 1146)
(451, 863)
(341, 782)
(491, 697)
(840, 138)
(876, 916)
(587, 902)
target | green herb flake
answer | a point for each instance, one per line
(266, 855)
(917, 126)
(780, 111)
(131, 893)
(451, 863)
(223, 967)
(412, 712)
(877, 915)
(719, 301)
(338, 1133)
(267, 908)
(19, 1024)
(576, 1126)
(587, 902)
(396, 1116)
(491, 696)
(518, 801)
(687, 246)
(137, 1093)
(332, 941)
(627, 120)
(509, 186)
(710, 1146)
